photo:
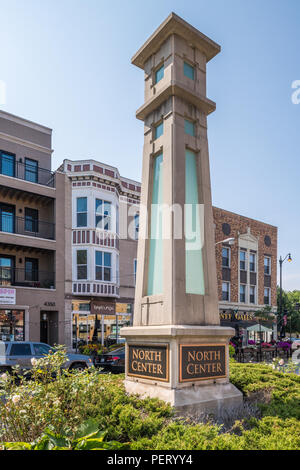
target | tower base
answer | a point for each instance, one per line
(184, 365)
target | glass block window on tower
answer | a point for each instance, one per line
(155, 271)
(159, 74)
(189, 127)
(159, 130)
(193, 230)
(189, 71)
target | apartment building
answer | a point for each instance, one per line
(104, 246)
(35, 229)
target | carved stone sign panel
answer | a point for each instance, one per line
(202, 361)
(148, 361)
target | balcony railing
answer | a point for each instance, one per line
(26, 171)
(27, 278)
(10, 223)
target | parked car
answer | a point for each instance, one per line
(20, 353)
(295, 343)
(112, 339)
(112, 362)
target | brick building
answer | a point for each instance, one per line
(246, 269)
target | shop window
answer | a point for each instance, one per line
(12, 325)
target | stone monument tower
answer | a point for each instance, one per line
(176, 349)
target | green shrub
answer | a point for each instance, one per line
(51, 412)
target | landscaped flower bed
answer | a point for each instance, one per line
(54, 411)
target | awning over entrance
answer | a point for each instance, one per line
(259, 328)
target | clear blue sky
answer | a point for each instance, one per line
(66, 64)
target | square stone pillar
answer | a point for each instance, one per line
(176, 349)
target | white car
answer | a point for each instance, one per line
(296, 344)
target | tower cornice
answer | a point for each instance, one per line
(175, 89)
(175, 25)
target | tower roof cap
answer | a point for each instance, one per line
(173, 24)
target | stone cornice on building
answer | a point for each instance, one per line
(243, 217)
(25, 122)
(175, 25)
(91, 173)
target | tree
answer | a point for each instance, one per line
(290, 299)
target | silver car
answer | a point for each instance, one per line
(20, 353)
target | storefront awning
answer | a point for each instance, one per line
(259, 328)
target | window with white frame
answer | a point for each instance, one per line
(252, 262)
(243, 260)
(242, 293)
(267, 296)
(103, 214)
(103, 266)
(81, 264)
(136, 226)
(81, 211)
(225, 257)
(252, 295)
(267, 265)
(226, 291)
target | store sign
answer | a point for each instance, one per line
(200, 362)
(239, 316)
(149, 362)
(7, 296)
(103, 308)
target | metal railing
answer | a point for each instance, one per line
(27, 278)
(26, 172)
(10, 223)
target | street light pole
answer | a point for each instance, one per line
(281, 261)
